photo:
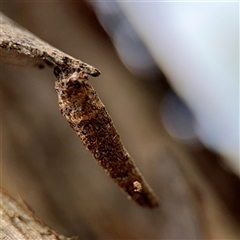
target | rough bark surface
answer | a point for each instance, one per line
(112, 157)
(45, 164)
(18, 47)
(18, 222)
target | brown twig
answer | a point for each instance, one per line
(19, 222)
(82, 107)
(18, 47)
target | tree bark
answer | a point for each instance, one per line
(46, 165)
(18, 222)
(20, 47)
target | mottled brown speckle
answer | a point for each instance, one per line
(87, 115)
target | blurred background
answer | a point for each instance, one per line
(169, 79)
